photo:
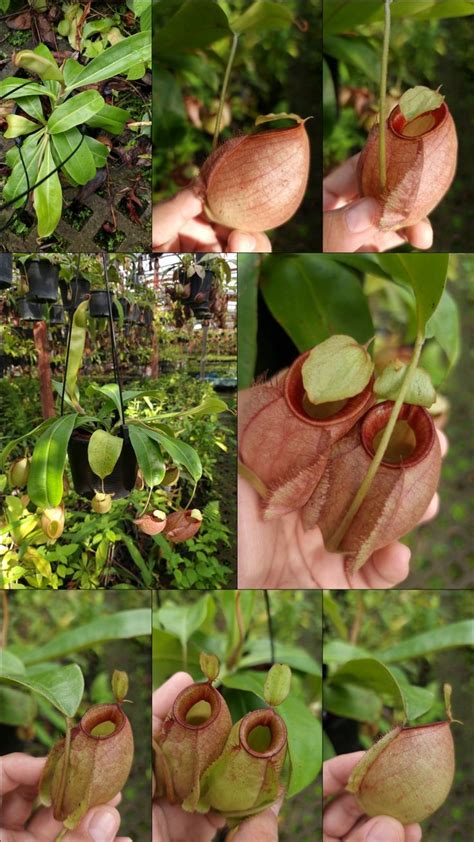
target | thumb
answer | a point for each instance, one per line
(100, 825)
(170, 216)
(263, 827)
(350, 227)
(379, 829)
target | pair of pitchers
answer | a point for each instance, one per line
(316, 466)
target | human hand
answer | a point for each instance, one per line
(349, 221)
(179, 224)
(344, 820)
(171, 823)
(280, 554)
(19, 784)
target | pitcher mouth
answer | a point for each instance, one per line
(266, 718)
(97, 715)
(417, 418)
(397, 122)
(294, 393)
(191, 696)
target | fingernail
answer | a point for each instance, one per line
(103, 826)
(247, 242)
(378, 833)
(361, 215)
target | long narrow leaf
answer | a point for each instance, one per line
(48, 196)
(45, 481)
(180, 452)
(81, 167)
(149, 456)
(79, 109)
(115, 60)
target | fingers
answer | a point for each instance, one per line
(384, 829)
(388, 567)
(169, 217)
(420, 235)
(20, 770)
(432, 510)
(340, 186)
(337, 771)
(242, 241)
(165, 696)
(100, 825)
(350, 227)
(263, 827)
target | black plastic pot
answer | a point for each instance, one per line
(147, 316)
(29, 311)
(199, 299)
(56, 314)
(43, 279)
(98, 305)
(74, 293)
(120, 482)
(6, 270)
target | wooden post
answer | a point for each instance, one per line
(44, 369)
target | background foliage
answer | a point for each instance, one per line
(423, 640)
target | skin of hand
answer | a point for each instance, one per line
(179, 224)
(349, 220)
(344, 820)
(19, 782)
(280, 554)
(171, 823)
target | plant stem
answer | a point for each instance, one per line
(225, 84)
(359, 498)
(383, 98)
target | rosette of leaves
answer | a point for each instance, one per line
(56, 117)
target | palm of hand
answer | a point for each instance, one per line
(280, 554)
(173, 824)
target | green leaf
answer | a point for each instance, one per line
(424, 273)
(76, 110)
(418, 100)
(437, 640)
(354, 52)
(196, 24)
(345, 15)
(119, 626)
(48, 197)
(183, 620)
(62, 686)
(445, 328)
(180, 452)
(351, 702)
(16, 184)
(19, 88)
(12, 444)
(168, 657)
(45, 481)
(114, 61)
(99, 151)
(420, 392)
(312, 297)
(371, 675)
(103, 452)
(149, 457)
(247, 303)
(111, 392)
(262, 16)
(10, 663)
(137, 557)
(18, 126)
(338, 651)
(332, 612)
(259, 652)
(110, 118)
(16, 708)
(32, 105)
(81, 167)
(71, 70)
(76, 351)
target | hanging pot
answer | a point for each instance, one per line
(43, 279)
(56, 314)
(147, 314)
(29, 311)
(283, 446)
(98, 305)
(123, 477)
(400, 492)
(6, 270)
(74, 293)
